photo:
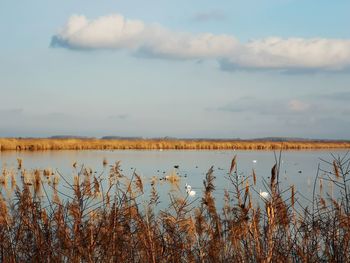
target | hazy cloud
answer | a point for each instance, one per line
(152, 40)
(297, 106)
(212, 15)
(267, 107)
(11, 112)
(119, 116)
(336, 96)
(290, 117)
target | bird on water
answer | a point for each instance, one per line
(189, 190)
(264, 195)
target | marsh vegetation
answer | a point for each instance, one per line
(101, 218)
(21, 144)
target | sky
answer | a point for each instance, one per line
(199, 68)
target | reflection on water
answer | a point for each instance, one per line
(297, 167)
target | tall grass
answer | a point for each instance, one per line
(151, 144)
(99, 218)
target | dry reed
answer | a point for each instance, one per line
(22, 144)
(98, 224)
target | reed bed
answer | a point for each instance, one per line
(99, 218)
(155, 144)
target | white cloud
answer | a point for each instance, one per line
(106, 32)
(294, 53)
(116, 32)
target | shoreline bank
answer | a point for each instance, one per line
(21, 144)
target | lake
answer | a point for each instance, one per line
(297, 167)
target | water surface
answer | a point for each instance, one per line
(297, 167)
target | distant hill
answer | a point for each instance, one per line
(121, 138)
(295, 139)
(168, 138)
(71, 137)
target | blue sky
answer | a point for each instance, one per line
(176, 68)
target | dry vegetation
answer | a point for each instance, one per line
(150, 144)
(92, 223)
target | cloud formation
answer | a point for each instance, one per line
(153, 40)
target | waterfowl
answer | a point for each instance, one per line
(264, 195)
(189, 190)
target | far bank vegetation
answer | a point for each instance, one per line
(21, 144)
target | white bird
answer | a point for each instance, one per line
(191, 193)
(264, 195)
(255, 161)
(189, 190)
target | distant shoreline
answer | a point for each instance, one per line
(49, 144)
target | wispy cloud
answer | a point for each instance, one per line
(343, 96)
(267, 107)
(212, 15)
(11, 112)
(119, 116)
(152, 40)
(295, 117)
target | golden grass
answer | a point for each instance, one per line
(21, 144)
(93, 224)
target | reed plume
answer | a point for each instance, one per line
(126, 221)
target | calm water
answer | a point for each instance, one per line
(298, 167)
